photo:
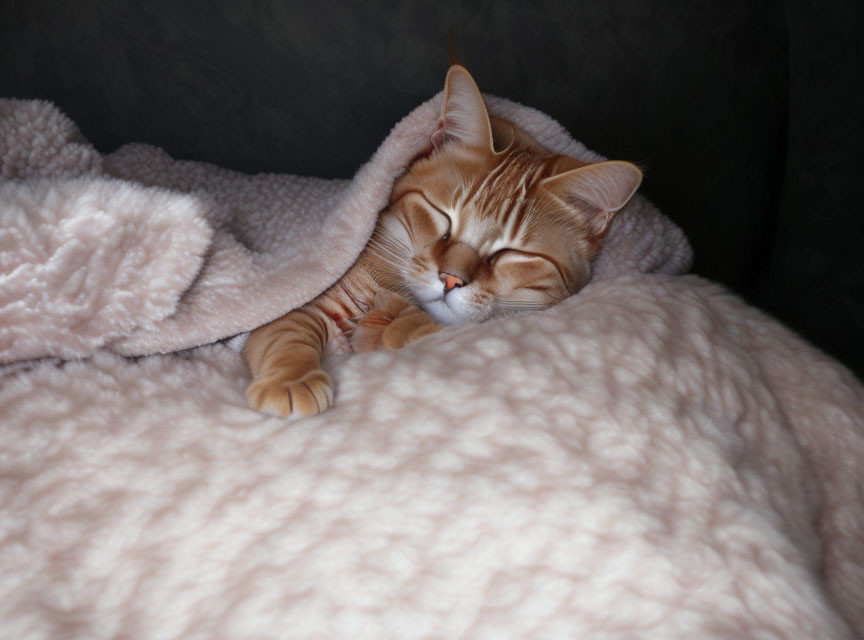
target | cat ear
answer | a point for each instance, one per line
(597, 190)
(505, 133)
(463, 112)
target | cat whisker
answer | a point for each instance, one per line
(403, 290)
(389, 248)
(533, 306)
(515, 306)
(389, 258)
(475, 305)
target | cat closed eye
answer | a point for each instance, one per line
(516, 256)
(441, 214)
(424, 219)
(525, 266)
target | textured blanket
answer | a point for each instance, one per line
(179, 254)
(651, 458)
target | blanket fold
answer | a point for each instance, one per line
(78, 270)
(146, 254)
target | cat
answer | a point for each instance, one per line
(487, 223)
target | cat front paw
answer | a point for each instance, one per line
(278, 396)
(412, 324)
(392, 323)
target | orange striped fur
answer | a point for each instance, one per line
(488, 223)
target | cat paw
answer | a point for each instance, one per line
(412, 324)
(277, 396)
(392, 323)
(369, 332)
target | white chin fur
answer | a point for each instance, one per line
(442, 314)
(447, 310)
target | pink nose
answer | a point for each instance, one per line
(450, 281)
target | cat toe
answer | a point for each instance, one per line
(312, 394)
(411, 325)
(369, 331)
(307, 396)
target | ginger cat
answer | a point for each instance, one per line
(487, 224)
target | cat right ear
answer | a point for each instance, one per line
(463, 112)
(597, 191)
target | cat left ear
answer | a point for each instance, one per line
(597, 190)
(463, 112)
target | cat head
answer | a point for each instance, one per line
(489, 222)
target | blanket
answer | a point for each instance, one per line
(141, 253)
(651, 458)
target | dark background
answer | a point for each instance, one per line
(746, 114)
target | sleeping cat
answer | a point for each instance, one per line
(488, 223)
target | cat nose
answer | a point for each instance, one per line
(450, 282)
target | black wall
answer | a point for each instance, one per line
(746, 115)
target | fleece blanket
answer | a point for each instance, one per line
(651, 458)
(179, 254)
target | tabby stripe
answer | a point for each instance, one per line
(314, 397)
(540, 173)
(481, 187)
(519, 205)
(546, 170)
(503, 208)
(506, 167)
(518, 220)
(323, 332)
